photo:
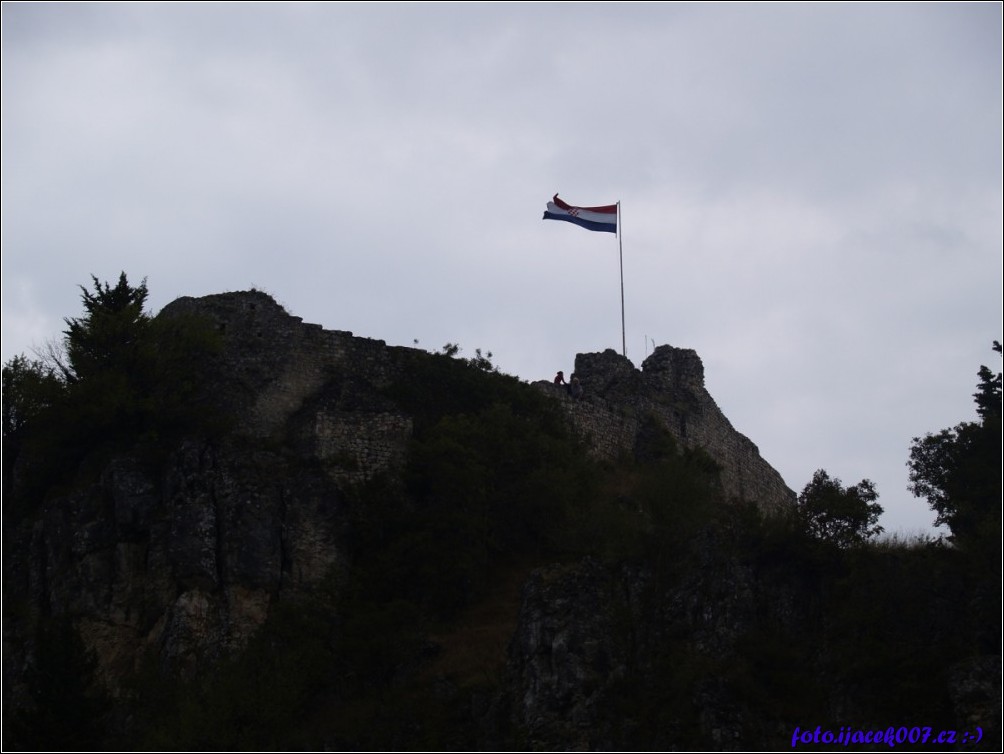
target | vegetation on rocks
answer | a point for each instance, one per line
(504, 590)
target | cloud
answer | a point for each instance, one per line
(811, 194)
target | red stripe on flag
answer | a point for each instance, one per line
(607, 208)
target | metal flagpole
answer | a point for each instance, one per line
(620, 244)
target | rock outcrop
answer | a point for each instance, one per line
(594, 639)
(620, 402)
(184, 559)
(187, 561)
(325, 385)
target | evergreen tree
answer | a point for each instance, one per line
(127, 381)
(110, 335)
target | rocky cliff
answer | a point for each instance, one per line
(188, 560)
(181, 562)
(326, 383)
(620, 403)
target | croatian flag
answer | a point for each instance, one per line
(591, 218)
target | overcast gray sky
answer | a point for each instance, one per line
(811, 194)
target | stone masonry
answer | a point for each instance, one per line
(669, 389)
(187, 560)
(324, 386)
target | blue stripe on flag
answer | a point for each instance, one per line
(587, 224)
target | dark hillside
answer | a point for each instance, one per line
(374, 548)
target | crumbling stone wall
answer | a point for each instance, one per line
(287, 376)
(358, 445)
(669, 388)
(190, 558)
(284, 377)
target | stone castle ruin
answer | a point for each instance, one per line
(323, 385)
(187, 560)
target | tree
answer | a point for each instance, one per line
(29, 388)
(32, 391)
(110, 335)
(958, 470)
(123, 380)
(110, 365)
(844, 517)
(133, 376)
(482, 361)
